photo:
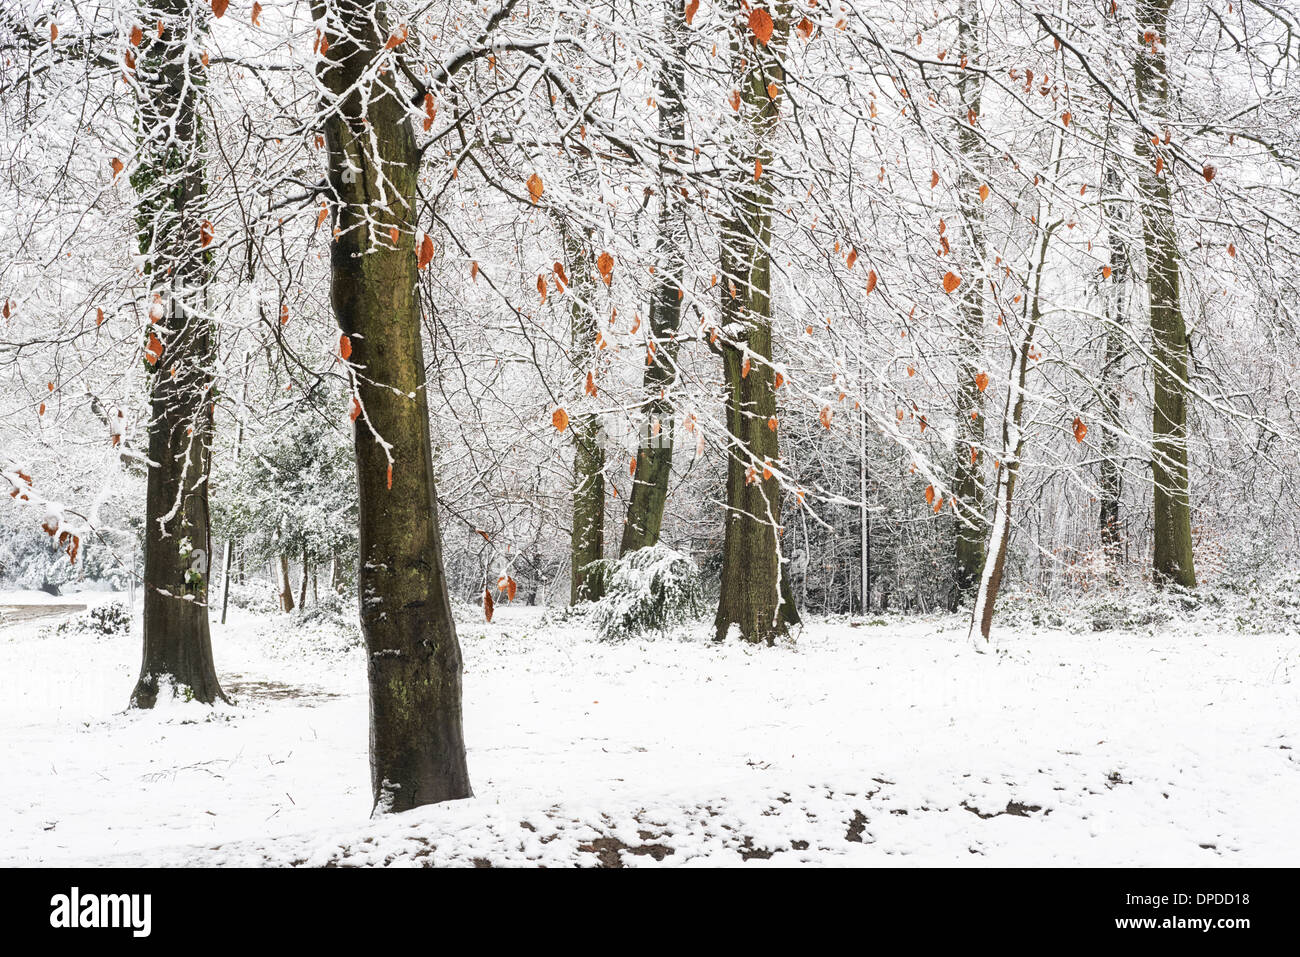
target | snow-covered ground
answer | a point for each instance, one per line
(861, 743)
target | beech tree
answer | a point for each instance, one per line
(755, 595)
(417, 746)
(1172, 556)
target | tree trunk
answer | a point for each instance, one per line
(302, 589)
(1172, 520)
(170, 214)
(1013, 446)
(1114, 296)
(417, 748)
(654, 460)
(587, 537)
(286, 586)
(969, 486)
(755, 596)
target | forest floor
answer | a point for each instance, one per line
(883, 742)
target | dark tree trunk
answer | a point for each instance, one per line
(756, 595)
(178, 344)
(1172, 520)
(654, 460)
(302, 589)
(587, 538)
(286, 586)
(1114, 295)
(417, 748)
(969, 485)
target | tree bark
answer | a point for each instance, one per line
(1172, 519)
(302, 589)
(755, 595)
(417, 748)
(286, 586)
(968, 486)
(177, 539)
(654, 460)
(1008, 468)
(587, 536)
(1111, 484)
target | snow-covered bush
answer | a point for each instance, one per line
(331, 608)
(256, 595)
(651, 589)
(102, 621)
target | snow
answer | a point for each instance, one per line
(889, 742)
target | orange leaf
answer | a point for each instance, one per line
(744, 368)
(390, 475)
(825, 416)
(99, 317)
(591, 384)
(758, 169)
(1080, 429)
(541, 288)
(560, 419)
(760, 21)
(605, 263)
(345, 346)
(982, 381)
(631, 466)
(117, 166)
(396, 38)
(219, 8)
(984, 192)
(284, 313)
(356, 409)
(1208, 172)
(535, 187)
(510, 588)
(257, 13)
(780, 380)
(137, 35)
(929, 495)
(934, 178)
(1105, 272)
(320, 217)
(871, 281)
(426, 251)
(691, 9)
(1232, 250)
(805, 28)
(771, 424)
(205, 233)
(154, 350)
(487, 604)
(473, 271)
(560, 274)
(853, 257)
(951, 281)
(1065, 118)
(735, 100)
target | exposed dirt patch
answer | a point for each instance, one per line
(607, 850)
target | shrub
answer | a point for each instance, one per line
(651, 589)
(103, 621)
